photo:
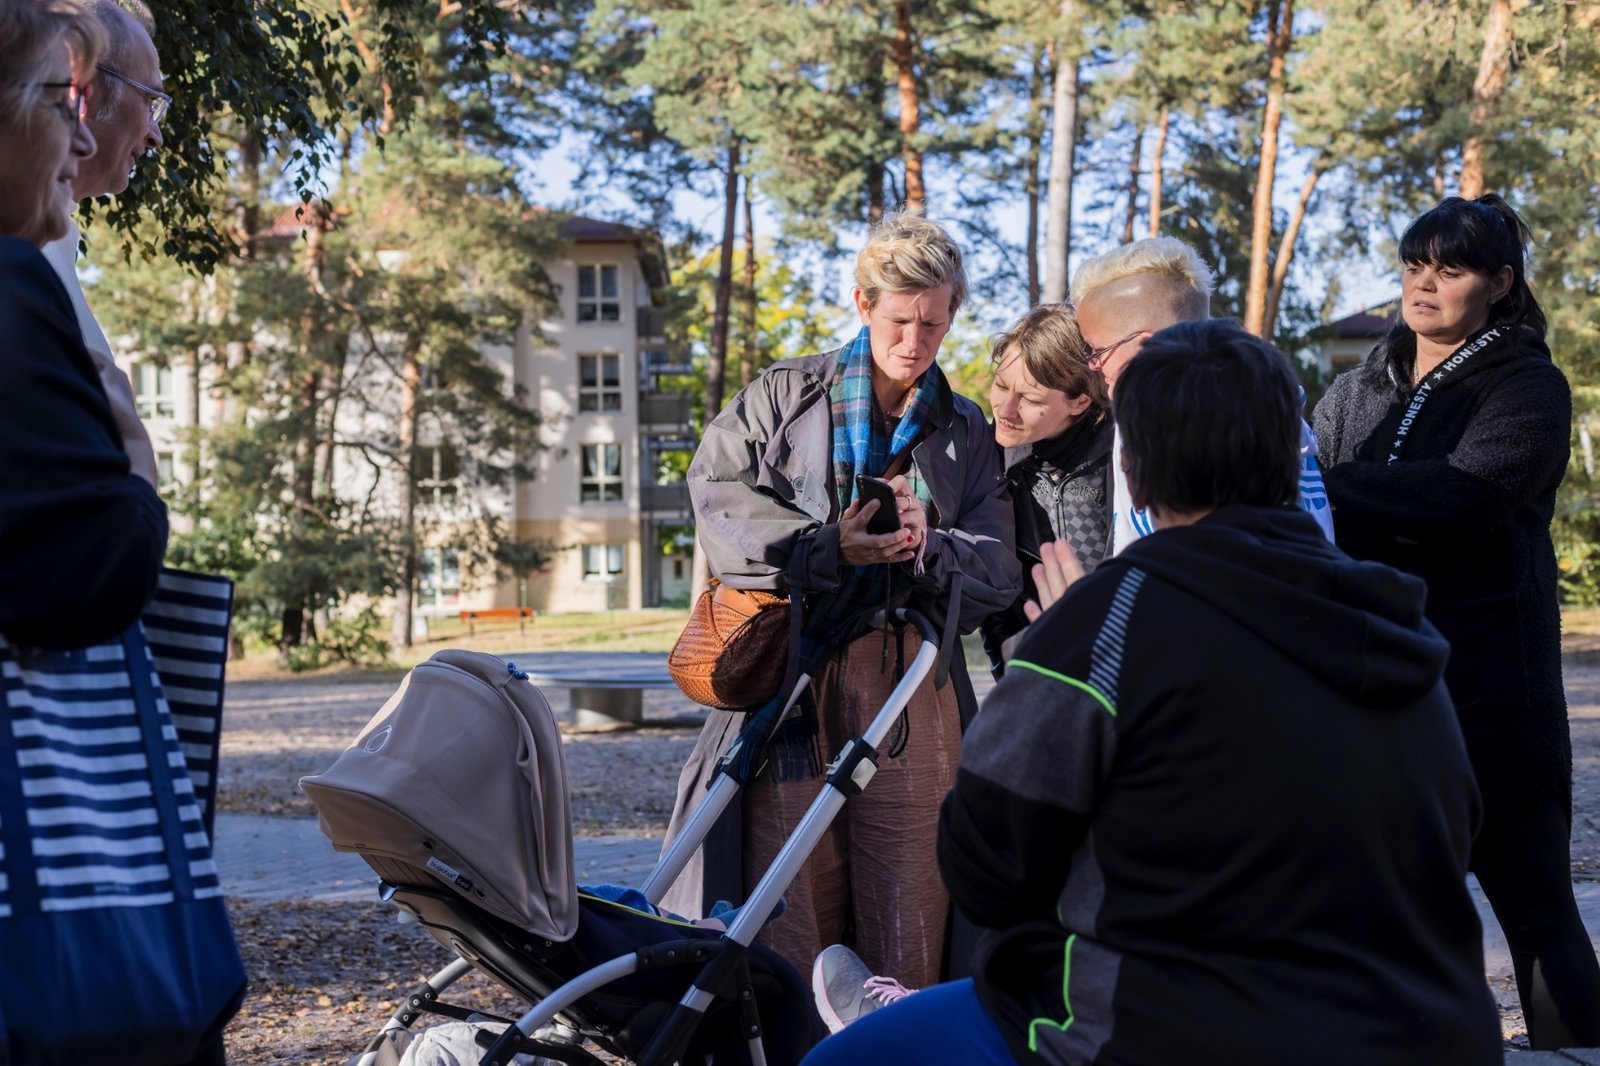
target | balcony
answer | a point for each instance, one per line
(657, 363)
(650, 322)
(664, 499)
(664, 409)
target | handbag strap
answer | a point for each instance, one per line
(140, 671)
(799, 562)
(22, 880)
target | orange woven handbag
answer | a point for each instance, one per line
(733, 652)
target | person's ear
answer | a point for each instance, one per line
(1500, 284)
(1078, 404)
(863, 306)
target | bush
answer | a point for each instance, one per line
(361, 641)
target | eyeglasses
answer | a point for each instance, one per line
(1098, 356)
(159, 101)
(75, 108)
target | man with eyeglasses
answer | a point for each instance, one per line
(123, 109)
(1125, 296)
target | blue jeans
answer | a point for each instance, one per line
(942, 1024)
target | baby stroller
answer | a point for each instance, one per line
(455, 794)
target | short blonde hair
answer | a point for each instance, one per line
(29, 31)
(1185, 274)
(908, 253)
(1054, 354)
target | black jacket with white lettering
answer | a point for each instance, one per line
(1219, 810)
(1467, 508)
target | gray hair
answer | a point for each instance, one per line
(118, 17)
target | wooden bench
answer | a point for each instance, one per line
(471, 618)
(614, 700)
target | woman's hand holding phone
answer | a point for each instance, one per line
(858, 544)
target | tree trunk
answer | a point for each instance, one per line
(303, 484)
(716, 364)
(250, 218)
(1040, 83)
(1280, 32)
(405, 468)
(876, 206)
(1158, 171)
(1494, 68)
(1133, 187)
(906, 84)
(747, 364)
(1280, 265)
(194, 449)
(1063, 134)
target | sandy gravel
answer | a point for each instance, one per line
(276, 732)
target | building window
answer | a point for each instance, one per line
(597, 293)
(436, 471)
(166, 470)
(438, 579)
(152, 391)
(602, 562)
(600, 473)
(599, 382)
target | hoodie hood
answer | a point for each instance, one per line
(1357, 626)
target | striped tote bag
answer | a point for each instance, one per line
(108, 890)
(186, 626)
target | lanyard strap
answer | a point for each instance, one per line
(1457, 360)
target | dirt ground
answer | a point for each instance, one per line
(324, 976)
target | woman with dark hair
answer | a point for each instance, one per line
(1444, 452)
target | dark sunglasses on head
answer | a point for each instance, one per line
(159, 101)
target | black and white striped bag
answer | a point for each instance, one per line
(107, 883)
(187, 628)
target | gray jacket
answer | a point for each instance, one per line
(762, 479)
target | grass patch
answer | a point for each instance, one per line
(652, 630)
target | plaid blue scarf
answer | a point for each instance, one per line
(858, 446)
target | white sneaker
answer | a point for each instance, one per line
(846, 990)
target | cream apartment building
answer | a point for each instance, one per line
(612, 399)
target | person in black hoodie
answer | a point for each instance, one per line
(1443, 454)
(1219, 808)
(1050, 421)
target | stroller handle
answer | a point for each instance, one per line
(916, 618)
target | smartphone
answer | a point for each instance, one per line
(886, 519)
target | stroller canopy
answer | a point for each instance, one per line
(461, 773)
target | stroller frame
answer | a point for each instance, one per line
(724, 964)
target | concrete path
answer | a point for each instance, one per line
(262, 857)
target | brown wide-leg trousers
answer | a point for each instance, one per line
(874, 874)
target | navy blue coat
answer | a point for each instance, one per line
(81, 538)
